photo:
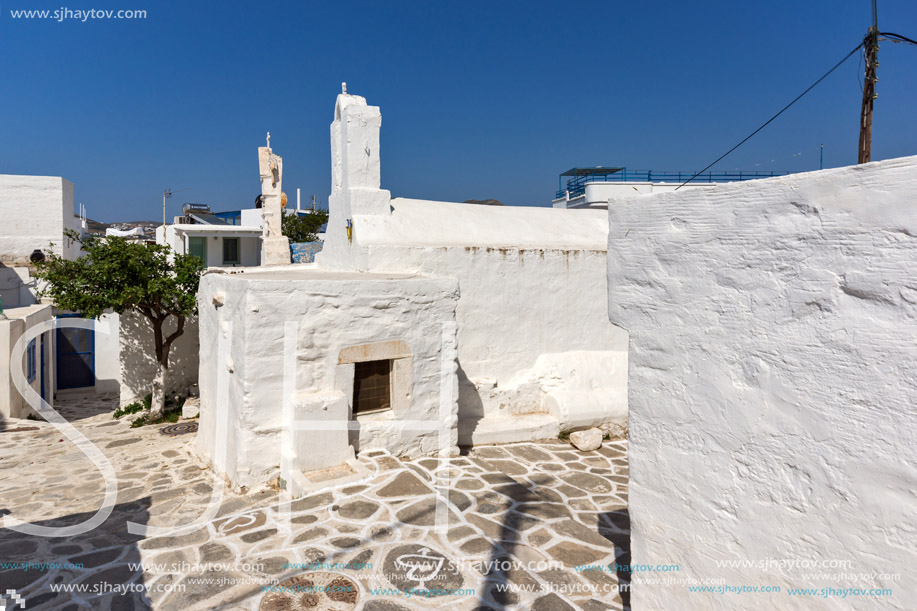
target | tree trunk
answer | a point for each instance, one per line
(162, 345)
(157, 405)
(159, 392)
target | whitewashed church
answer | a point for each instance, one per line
(421, 327)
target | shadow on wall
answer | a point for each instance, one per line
(10, 284)
(138, 357)
(470, 405)
(104, 554)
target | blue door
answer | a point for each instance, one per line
(75, 356)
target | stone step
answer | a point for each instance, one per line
(507, 429)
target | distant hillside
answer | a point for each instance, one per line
(484, 202)
(99, 227)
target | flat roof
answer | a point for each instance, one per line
(217, 229)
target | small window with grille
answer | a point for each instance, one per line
(372, 386)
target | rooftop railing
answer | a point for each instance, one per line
(576, 186)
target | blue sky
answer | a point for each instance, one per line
(479, 99)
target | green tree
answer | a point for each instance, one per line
(303, 228)
(122, 275)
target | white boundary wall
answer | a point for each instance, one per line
(20, 320)
(773, 382)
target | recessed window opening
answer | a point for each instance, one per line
(230, 251)
(372, 386)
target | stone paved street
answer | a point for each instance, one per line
(520, 518)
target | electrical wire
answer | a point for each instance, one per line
(860, 60)
(769, 121)
(899, 37)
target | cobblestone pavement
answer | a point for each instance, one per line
(521, 518)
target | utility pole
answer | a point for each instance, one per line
(166, 195)
(871, 49)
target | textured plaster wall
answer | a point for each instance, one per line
(773, 342)
(138, 357)
(516, 305)
(532, 283)
(335, 311)
(34, 211)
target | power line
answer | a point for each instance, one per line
(768, 122)
(899, 37)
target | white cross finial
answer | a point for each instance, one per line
(343, 87)
(269, 140)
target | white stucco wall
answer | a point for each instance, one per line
(532, 282)
(335, 311)
(251, 217)
(138, 357)
(18, 321)
(14, 286)
(108, 354)
(34, 211)
(773, 342)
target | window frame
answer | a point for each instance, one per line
(238, 244)
(387, 404)
(31, 366)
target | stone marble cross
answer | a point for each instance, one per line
(275, 247)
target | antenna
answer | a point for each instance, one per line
(167, 194)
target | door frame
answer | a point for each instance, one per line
(92, 351)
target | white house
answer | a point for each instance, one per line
(216, 242)
(227, 239)
(34, 213)
(592, 187)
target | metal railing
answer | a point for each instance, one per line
(577, 185)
